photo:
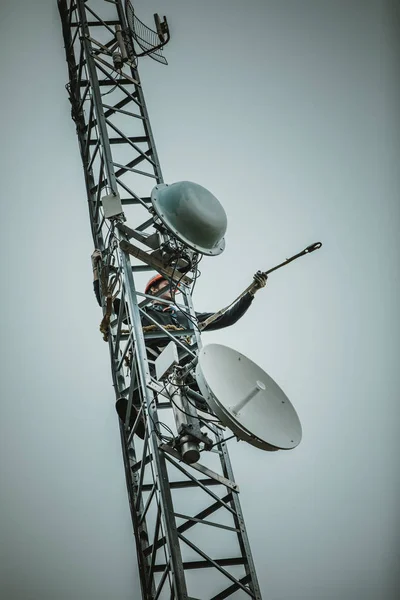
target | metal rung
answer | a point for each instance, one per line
(98, 23)
(205, 564)
(147, 200)
(121, 140)
(183, 484)
(159, 335)
(107, 82)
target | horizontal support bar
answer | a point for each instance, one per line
(120, 140)
(176, 485)
(124, 201)
(107, 82)
(151, 335)
(98, 23)
(205, 564)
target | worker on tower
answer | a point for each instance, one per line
(170, 315)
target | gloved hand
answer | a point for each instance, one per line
(260, 281)
(96, 256)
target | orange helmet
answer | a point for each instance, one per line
(153, 281)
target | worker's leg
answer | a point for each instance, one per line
(121, 407)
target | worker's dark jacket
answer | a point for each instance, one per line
(173, 316)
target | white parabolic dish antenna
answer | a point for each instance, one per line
(246, 399)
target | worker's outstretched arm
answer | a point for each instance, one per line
(230, 317)
(233, 314)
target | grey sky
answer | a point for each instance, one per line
(288, 112)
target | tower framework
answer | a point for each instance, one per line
(189, 530)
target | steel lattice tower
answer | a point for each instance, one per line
(187, 519)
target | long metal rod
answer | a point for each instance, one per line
(308, 250)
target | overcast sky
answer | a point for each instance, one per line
(287, 110)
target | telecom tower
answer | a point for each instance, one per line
(190, 534)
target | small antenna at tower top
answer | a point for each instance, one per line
(150, 41)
